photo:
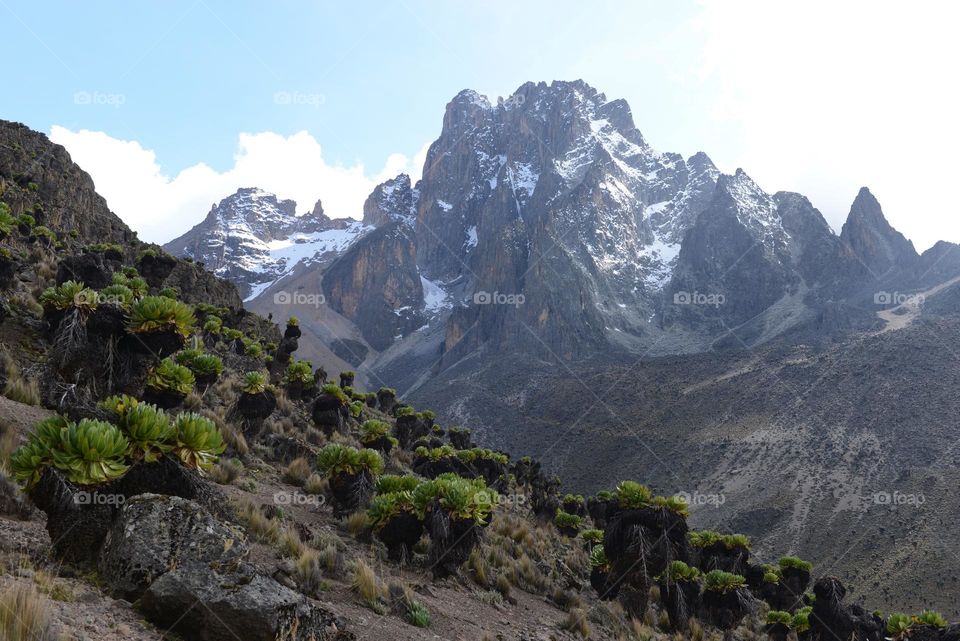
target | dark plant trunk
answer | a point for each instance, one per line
(292, 331)
(606, 589)
(156, 269)
(451, 541)
(727, 609)
(158, 344)
(346, 380)
(382, 445)
(777, 631)
(386, 400)
(400, 534)
(163, 398)
(351, 492)
(681, 600)
(256, 407)
(329, 414)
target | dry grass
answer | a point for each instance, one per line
(290, 544)
(25, 615)
(17, 387)
(284, 404)
(364, 582)
(231, 435)
(309, 574)
(8, 443)
(258, 525)
(479, 569)
(297, 471)
(695, 629)
(226, 471)
(316, 484)
(576, 622)
(357, 523)
(193, 402)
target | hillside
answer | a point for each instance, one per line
(177, 468)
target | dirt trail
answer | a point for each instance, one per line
(904, 314)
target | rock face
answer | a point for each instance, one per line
(41, 171)
(377, 286)
(189, 572)
(873, 240)
(252, 239)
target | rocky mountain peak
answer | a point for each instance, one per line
(393, 200)
(871, 237)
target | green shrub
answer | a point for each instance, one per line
(118, 405)
(40, 231)
(418, 615)
(253, 349)
(795, 562)
(674, 504)
(932, 618)
(158, 313)
(149, 431)
(801, 619)
(406, 410)
(779, 616)
(26, 219)
(101, 248)
(212, 325)
(29, 460)
(389, 483)
(898, 625)
(91, 452)
(299, 371)
(356, 408)
(680, 571)
(7, 222)
(565, 520)
(198, 441)
(117, 295)
(706, 538)
(464, 499)
(169, 292)
(70, 295)
(168, 376)
(200, 363)
(373, 430)
(384, 507)
(720, 581)
(632, 495)
(293, 321)
(343, 459)
(254, 383)
(592, 536)
(598, 558)
(334, 390)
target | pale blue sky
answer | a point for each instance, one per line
(813, 99)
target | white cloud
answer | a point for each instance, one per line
(161, 207)
(823, 97)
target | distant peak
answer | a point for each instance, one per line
(471, 97)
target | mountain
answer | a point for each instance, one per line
(253, 239)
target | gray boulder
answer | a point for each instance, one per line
(188, 571)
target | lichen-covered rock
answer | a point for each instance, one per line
(187, 569)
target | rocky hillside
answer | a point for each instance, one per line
(168, 466)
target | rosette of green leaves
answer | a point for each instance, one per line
(200, 362)
(343, 459)
(168, 376)
(299, 371)
(69, 295)
(385, 507)
(91, 452)
(254, 383)
(149, 431)
(158, 314)
(118, 405)
(29, 460)
(198, 441)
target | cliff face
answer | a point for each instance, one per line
(376, 285)
(34, 171)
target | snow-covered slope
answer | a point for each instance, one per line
(253, 239)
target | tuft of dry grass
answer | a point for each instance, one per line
(364, 582)
(226, 471)
(297, 471)
(284, 404)
(316, 484)
(25, 615)
(17, 387)
(309, 574)
(258, 525)
(290, 544)
(480, 570)
(576, 622)
(695, 629)
(357, 523)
